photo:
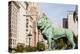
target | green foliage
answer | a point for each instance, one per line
(40, 46)
(34, 48)
(29, 49)
(20, 47)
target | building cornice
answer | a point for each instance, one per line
(15, 3)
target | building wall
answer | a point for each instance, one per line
(21, 25)
(33, 11)
(23, 22)
(13, 11)
(71, 24)
(72, 21)
(65, 22)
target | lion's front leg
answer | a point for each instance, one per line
(53, 46)
(49, 43)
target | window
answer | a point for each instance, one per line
(27, 23)
(10, 41)
(27, 26)
(26, 29)
(26, 19)
(65, 22)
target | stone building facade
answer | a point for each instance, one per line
(23, 18)
(71, 22)
(33, 13)
(13, 15)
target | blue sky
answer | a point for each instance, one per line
(56, 12)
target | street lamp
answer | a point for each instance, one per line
(29, 37)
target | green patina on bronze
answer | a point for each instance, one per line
(52, 32)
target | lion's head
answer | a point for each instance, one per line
(41, 21)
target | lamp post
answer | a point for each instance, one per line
(29, 37)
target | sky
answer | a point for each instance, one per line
(56, 12)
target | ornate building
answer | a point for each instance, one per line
(71, 22)
(23, 18)
(13, 15)
(33, 13)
